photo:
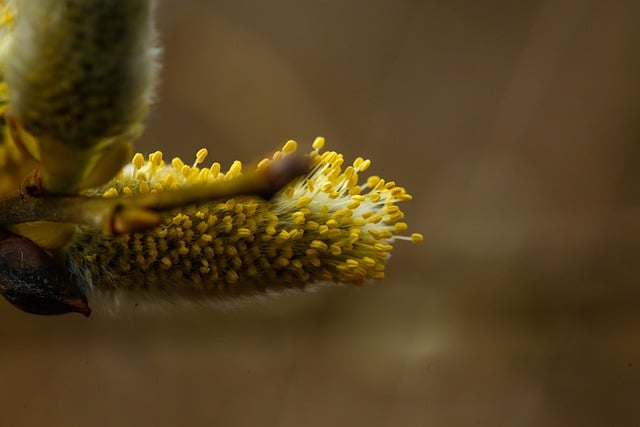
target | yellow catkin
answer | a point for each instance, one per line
(319, 232)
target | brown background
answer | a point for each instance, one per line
(514, 124)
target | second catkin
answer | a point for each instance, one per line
(80, 78)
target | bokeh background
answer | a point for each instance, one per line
(514, 124)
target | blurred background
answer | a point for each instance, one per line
(514, 125)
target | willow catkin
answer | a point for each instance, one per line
(81, 74)
(329, 226)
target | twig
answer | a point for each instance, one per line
(140, 212)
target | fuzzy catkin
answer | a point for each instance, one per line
(81, 75)
(82, 70)
(326, 227)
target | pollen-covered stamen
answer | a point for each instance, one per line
(326, 226)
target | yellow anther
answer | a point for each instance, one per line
(329, 157)
(355, 190)
(284, 235)
(203, 176)
(177, 163)
(401, 226)
(263, 164)
(232, 276)
(112, 192)
(327, 187)
(202, 227)
(395, 217)
(235, 169)
(244, 233)
(364, 165)
(144, 187)
(353, 205)
(346, 212)
(318, 143)
(303, 201)
(281, 261)
(289, 192)
(352, 263)
(348, 172)
(298, 218)
(290, 146)
(416, 237)
(398, 191)
(333, 174)
(177, 220)
(168, 182)
(314, 260)
(215, 170)
(155, 158)
(319, 245)
(392, 210)
(296, 234)
(382, 247)
(201, 155)
(372, 181)
(137, 161)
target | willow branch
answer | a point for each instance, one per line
(140, 212)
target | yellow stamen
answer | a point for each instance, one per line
(325, 227)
